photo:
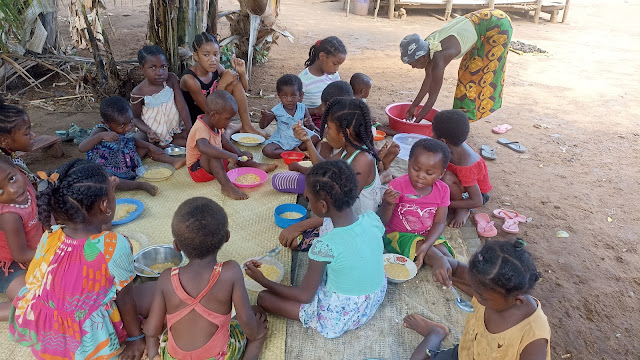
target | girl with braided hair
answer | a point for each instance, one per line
(345, 280)
(78, 302)
(346, 124)
(507, 323)
(16, 135)
(321, 69)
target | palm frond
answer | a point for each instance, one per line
(11, 20)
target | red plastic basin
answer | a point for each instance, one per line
(291, 156)
(396, 113)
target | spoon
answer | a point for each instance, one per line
(462, 303)
(145, 268)
(271, 253)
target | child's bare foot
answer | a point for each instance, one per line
(233, 192)
(460, 217)
(425, 327)
(266, 167)
(178, 162)
(149, 188)
(390, 155)
(386, 177)
(252, 130)
(254, 347)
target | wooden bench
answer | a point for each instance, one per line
(52, 144)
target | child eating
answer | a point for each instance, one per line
(159, 109)
(20, 230)
(209, 152)
(196, 300)
(287, 113)
(467, 175)
(345, 280)
(508, 323)
(113, 146)
(414, 207)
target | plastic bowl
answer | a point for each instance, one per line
(402, 260)
(254, 286)
(132, 215)
(380, 135)
(145, 172)
(281, 209)
(291, 156)
(396, 113)
(157, 254)
(234, 173)
(406, 141)
(238, 136)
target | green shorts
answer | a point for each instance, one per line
(405, 244)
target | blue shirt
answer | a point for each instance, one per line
(354, 256)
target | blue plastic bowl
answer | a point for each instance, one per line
(281, 209)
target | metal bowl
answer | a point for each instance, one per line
(176, 150)
(157, 254)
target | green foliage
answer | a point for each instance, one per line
(261, 56)
(11, 20)
(226, 53)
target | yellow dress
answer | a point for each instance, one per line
(478, 343)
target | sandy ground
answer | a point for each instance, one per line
(579, 171)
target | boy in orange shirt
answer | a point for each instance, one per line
(209, 152)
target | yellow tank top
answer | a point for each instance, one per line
(478, 343)
(460, 27)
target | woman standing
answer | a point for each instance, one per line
(482, 39)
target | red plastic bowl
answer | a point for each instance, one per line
(396, 113)
(291, 156)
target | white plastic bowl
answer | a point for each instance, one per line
(402, 260)
(254, 286)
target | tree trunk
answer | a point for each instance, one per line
(175, 23)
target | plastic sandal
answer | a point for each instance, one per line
(511, 226)
(513, 145)
(484, 225)
(488, 152)
(509, 214)
(501, 129)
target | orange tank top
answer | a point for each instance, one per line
(216, 347)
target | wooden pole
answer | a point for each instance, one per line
(492, 4)
(375, 12)
(536, 16)
(447, 11)
(565, 12)
(392, 6)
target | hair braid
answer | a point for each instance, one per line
(80, 187)
(10, 116)
(149, 50)
(334, 181)
(331, 46)
(201, 39)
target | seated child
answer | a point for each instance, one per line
(342, 116)
(414, 207)
(336, 89)
(113, 146)
(321, 69)
(467, 175)
(79, 288)
(20, 230)
(159, 109)
(508, 323)
(209, 152)
(361, 85)
(196, 300)
(345, 280)
(288, 113)
(16, 135)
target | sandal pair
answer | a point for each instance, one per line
(511, 219)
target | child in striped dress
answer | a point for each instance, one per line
(159, 109)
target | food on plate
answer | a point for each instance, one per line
(397, 271)
(157, 173)
(291, 215)
(249, 140)
(247, 179)
(122, 211)
(269, 271)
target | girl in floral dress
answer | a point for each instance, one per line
(345, 280)
(78, 302)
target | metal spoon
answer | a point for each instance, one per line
(145, 268)
(462, 303)
(271, 253)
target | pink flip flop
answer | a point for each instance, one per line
(501, 129)
(509, 214)
(511, 226)
(484, 225)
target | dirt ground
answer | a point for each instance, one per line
(579, 174)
